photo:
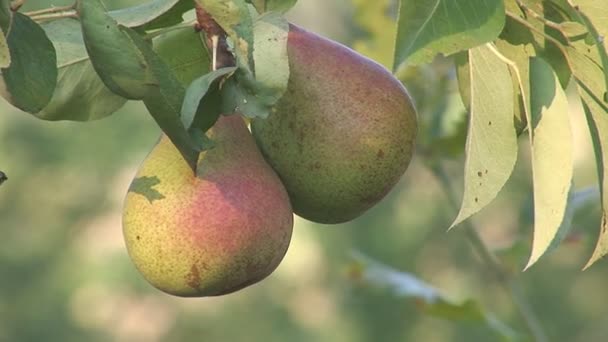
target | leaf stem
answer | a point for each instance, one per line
(215, 38)
(510, 283)
(51, 10)
(16, 4)
(54, 16)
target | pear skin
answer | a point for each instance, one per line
(343, 133)
(214, 232)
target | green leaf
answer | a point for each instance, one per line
(241, 100)
(153, 14)
(164, 101)
(185, 54)
(195, 99)
(113, 53)
(516, 44)
(281, 6)
(254, 95)
(80, 94)
(552, 157)
(589, 74)
(597, 120)
(594, 16)
(270, 57)
(429, 299)
(427, 28)
(572, 29)
(6, 15)
(31, 78)
(491, 149)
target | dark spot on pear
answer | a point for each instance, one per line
(489, 123)
(479, 173)
(380, 154)
(193, 278)
(486, 172)
(138, 237)
(3, 177)
(476, 200)
(145, 186)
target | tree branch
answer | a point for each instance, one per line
(510, 283)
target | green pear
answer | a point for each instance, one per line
(343, 133)
(210, 233)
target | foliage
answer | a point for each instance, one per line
(518, 65)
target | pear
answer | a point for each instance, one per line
(210, 233)
(343, 133)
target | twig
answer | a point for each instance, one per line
(503, 276)
(215, 39)
(16, 5)
(539, 17)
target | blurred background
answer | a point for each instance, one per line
(65, 274)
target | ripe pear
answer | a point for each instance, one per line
(343, 133)
(210, 233)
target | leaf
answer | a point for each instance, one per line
(597, 120)
(594, 16)
(31, 78)
(491, 149)
(427, 28)
(429, 299)
(6, 15)
(255, 95)
(153, 14)
(116, 59)
(164, 101)
(238, 99)
(185, 54)
(194, 100)
(552, 157)
(588, 71)
(80, 95)
(573, 29)
(281, 6)
(270, 57)
(516, 44)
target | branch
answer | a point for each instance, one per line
(215, 38)
(503, 276)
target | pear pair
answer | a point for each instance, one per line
(339, 140)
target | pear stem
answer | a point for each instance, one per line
(215, 39)
(506, 279)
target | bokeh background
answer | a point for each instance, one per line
(65, 275)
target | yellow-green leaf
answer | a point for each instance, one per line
(491, 149)
(551, 144)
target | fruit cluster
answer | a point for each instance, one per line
(336, 143)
